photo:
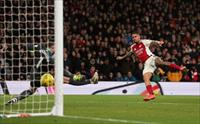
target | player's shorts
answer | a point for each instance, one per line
(36, 74)
(35, 79)
(149, 65)
(35, 83)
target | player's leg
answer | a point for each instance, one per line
(149, 68)
(159, 61)
(147, 76)
(34, 84)
(22, 96)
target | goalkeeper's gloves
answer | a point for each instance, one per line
(77, 76)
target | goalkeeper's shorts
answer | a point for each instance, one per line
(35, 83)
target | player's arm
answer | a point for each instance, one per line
(44, 54)
(39, 62)
(124, 56)
(67, 73)
(32, 48)
(157, 43)
(133, 57)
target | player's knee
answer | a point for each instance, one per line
(147, 76)
(146, 79)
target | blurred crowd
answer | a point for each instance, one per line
(96, 32)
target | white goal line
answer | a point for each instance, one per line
(108, 119)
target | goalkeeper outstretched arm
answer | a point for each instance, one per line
(68, 79)
(78, 79)
(45, 57)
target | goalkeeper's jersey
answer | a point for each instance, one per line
(43, 59)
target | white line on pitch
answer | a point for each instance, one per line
(151, 102)
(165, 103)
(108, 119)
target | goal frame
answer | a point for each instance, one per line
(58, 108)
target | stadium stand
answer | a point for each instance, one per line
(95, 33)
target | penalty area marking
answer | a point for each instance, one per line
(107, 119)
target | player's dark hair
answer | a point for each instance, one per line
(135, 32)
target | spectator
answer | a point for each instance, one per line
(138, 73)
(156, 77)
(129, 77)
(100, 26)
(194, 74)
(119, 77)
(110, 77)
(158, 24)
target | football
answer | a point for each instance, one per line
(47, 80)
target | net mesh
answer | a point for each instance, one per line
(24, 23)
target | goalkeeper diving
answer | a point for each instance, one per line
(43, 69)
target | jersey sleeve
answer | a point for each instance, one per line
(41, 52)
(68, 73)
(147, 42)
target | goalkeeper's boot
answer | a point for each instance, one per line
(12, 101)
(95, 78)
(149, 97)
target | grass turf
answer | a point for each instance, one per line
(100, 109)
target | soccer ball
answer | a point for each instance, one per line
(47, 80)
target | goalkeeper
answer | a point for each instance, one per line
(45, 64)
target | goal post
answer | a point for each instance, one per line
(39, 23)
(59, 57)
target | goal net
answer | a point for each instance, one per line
(28, 28)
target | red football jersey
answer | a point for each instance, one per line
(141, 50)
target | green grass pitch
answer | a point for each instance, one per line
(105, 109)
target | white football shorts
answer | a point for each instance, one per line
(149, 65)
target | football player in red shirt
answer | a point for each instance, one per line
(140, 48)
